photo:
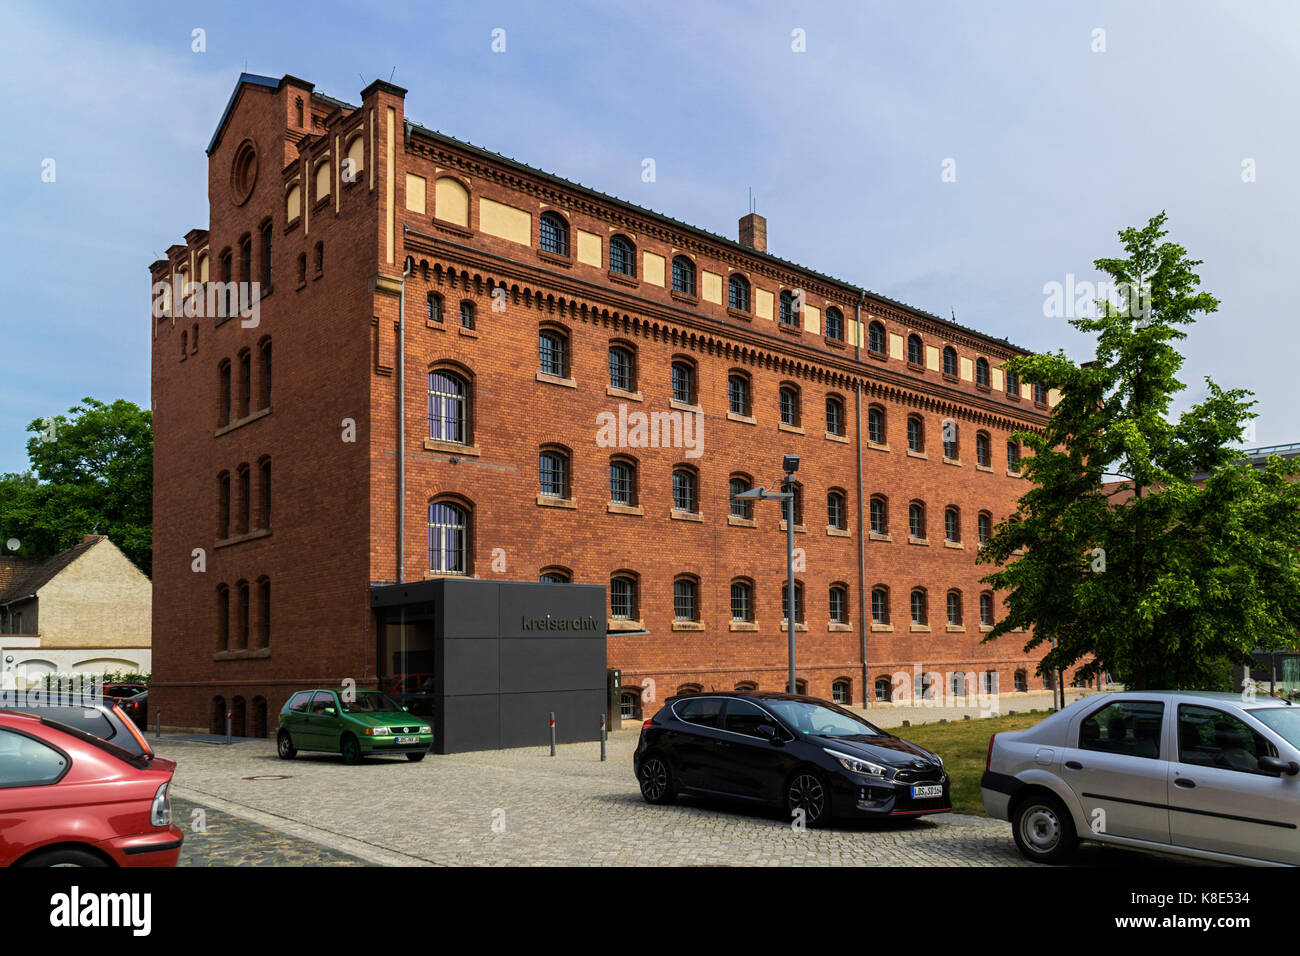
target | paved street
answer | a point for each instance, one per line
(524, 807)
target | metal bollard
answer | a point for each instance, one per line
(604, 735)
(552, 733)
(228, 716)
(157, 723)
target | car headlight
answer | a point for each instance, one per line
(857, 765)
(160, 813)
(376, 731)
(426, 729)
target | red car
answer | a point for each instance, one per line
(70, 799)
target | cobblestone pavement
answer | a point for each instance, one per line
(524, 807)
(228, 840)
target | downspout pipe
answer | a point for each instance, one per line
(401, 419)
(863, 605)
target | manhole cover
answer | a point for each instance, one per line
(271, 776)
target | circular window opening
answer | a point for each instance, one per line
(243, 172)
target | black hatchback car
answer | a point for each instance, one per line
(786, 750)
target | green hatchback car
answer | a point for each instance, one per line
(359, 724)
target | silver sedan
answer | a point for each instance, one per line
(1198, 774)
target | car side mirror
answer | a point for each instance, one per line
(407, 709)
(770, 734)
(330, 711)
(1279, 766)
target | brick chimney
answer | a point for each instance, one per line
(753, 232)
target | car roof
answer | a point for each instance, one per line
(751, 694)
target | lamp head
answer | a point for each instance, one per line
(790, 463)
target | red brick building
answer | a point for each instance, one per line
(582, 383)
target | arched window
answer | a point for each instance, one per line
(245, 478)
(739, 401)
(787, 313)
(448, 538)
(245, 610)
(683, 275)
(433, 307)
(553, 353)
(1021, 682)
(876, 338)
(986, 609)
(915, 350)
(990, 682)
(1040, 394)
(841, 691)
(958, 684)
(553, 473)
(622, 369)
(738, 293)
(555, 576)
(1013, 456)
(834, 415)
(879, 514)
(876, 425)
(984, 524)
(837, 604)
(915, 434)
(302, 268)
(629, 706)
(742, 601)
(798, 602)
(836, 510)
(789, 405)
(918, 606)
(622, 256)
(554, 232)
(684, 382)
(245, 383)
(223, 618)
(835, 324)
(952, 524)
(268, 234)
(448, 407)
(320, 257)
(264, 479)
(954, 608)
(1013, 384)
(466, 314)
(950, 361)
(223, 506)
(951, 440)
(685, 491)
(623, 597)
(884, 690)
(880, 604)
(622, 482)
(982, 372)
(686, 600)
(322, 181)
(916, 520)
(742, 507)
(983, 450)
(263, 612)
(796, 504)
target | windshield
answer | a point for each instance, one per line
(805, 718)
(371, 702)
(1285, 721)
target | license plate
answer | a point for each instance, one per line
(928, 790)
(414, 740)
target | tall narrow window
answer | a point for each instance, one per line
(738, 293)
(950, 361)
(245, 383)
(448, 538)
(952, 524)
(838, 604)
(915, 434)
(245, 499)
(954, 608)
(834, 415)
(622, 598)
(554, 474)
(880, 605)
(789, 406)
(1013, 384)
(448, 407)
(622, 482)
(876, 425)
(986, 609)
(266, 374)
(433, 307)
(264, 613)
(683, 275)
(467, 314)
(742, 601)
(982, 372)
(738, 400)
(1013, 456)
(876, 338)
(798, 602)
(916, 520)
(918, 606)
(684, 383)
(915, 351)
(1040, 394)
(622, 369)
(984, 524)
(983, 450)
(223, 505)
(879, 515)
(554, 234)
(223, 618)
(228, 278)
(245, 615)
(685, 494)
(835, 324)
(246, 264)
(836, 511)
(267, 233)
(223, 394)
(551, 347)
(787, 310)
(686, 600)
(622, 256)
(742, 507)
(951, 445)
(265, 515)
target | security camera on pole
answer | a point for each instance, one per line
(790, 463)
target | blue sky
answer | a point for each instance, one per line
(1056, 147)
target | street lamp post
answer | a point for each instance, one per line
(790, 463)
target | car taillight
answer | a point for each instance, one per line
(647, 725)
(988, 757)
(160, 814)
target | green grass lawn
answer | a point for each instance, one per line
(963, 745)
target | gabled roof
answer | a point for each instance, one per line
(42, 573)
(255, 80)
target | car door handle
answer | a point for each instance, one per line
(724, 743)
(1073, 765)
(1185, 783)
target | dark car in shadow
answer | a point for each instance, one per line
(813, 758)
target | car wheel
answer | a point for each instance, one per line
(284, 746)
(415, 758)
(68, 856)
(808, 792)
(350, 749)
(1043, 829)
(657, 780)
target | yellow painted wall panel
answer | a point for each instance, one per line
(932, 358)
(1053, 396)
(589, 248)
(505, 222)
(812, 319)
(966, 369)
(998, 381)
(293, 203)
(415, 187)
(652, 268)
(763, 301)
(711, 287)
(451, 201)
(895, 346)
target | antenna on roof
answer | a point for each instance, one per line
(954, 315)
(390, 75)
(363, 77)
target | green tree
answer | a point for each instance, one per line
(1192, 560)
(92, 471)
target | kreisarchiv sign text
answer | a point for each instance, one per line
(549, 623)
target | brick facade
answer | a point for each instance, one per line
(335, 344)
